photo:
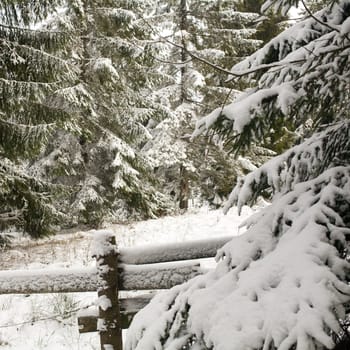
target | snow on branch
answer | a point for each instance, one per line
(26, 55)
(41, 39)
(71, 99)
(31, 90)
(282, 285)
(17, 136)
(303, 162)
(279, 5)
(295, 37)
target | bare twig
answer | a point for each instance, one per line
(52, 317)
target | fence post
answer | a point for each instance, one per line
(108, 324)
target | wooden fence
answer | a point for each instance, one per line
(143, 268)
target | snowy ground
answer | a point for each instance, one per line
(29, 322)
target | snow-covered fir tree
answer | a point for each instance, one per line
(98, 158)
(31, 72)
(284, 283)
(192, 56)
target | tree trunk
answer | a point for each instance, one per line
(184, 54)
(184, 188)
(184, 182)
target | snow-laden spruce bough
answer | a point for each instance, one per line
(284, 284)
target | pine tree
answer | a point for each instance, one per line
(99, 156)
(284, 283)
(31, 73)
(192, 55)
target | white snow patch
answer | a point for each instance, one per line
(103, 302)
(101, 245)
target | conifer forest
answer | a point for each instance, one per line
(136, 111)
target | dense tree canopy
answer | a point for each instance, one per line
(192, 56)
(284, 283)
(98, 103)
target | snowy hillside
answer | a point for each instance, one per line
(49, 321)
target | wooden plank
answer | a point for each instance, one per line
(198, 249)
(88, 324)
(135, 304)
(131, 277)
(158, 276)
(48, 281)
(87, 320)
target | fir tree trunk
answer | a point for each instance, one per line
(184, 188)
(184, 54)
(184, 183)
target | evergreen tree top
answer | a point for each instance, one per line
(302, 74)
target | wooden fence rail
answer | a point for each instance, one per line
(198, 249)
(87, 319)
(144, 268)
(138, 277)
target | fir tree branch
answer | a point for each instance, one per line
(47, 40)
(29, 83)
(25, 126)
(12, 45)
(283, 64)
(35, 31)
(319, 21)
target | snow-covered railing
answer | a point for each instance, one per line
(151, 268)
(48, 281)
(143, 268)
(130, 277)
(198, 249)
